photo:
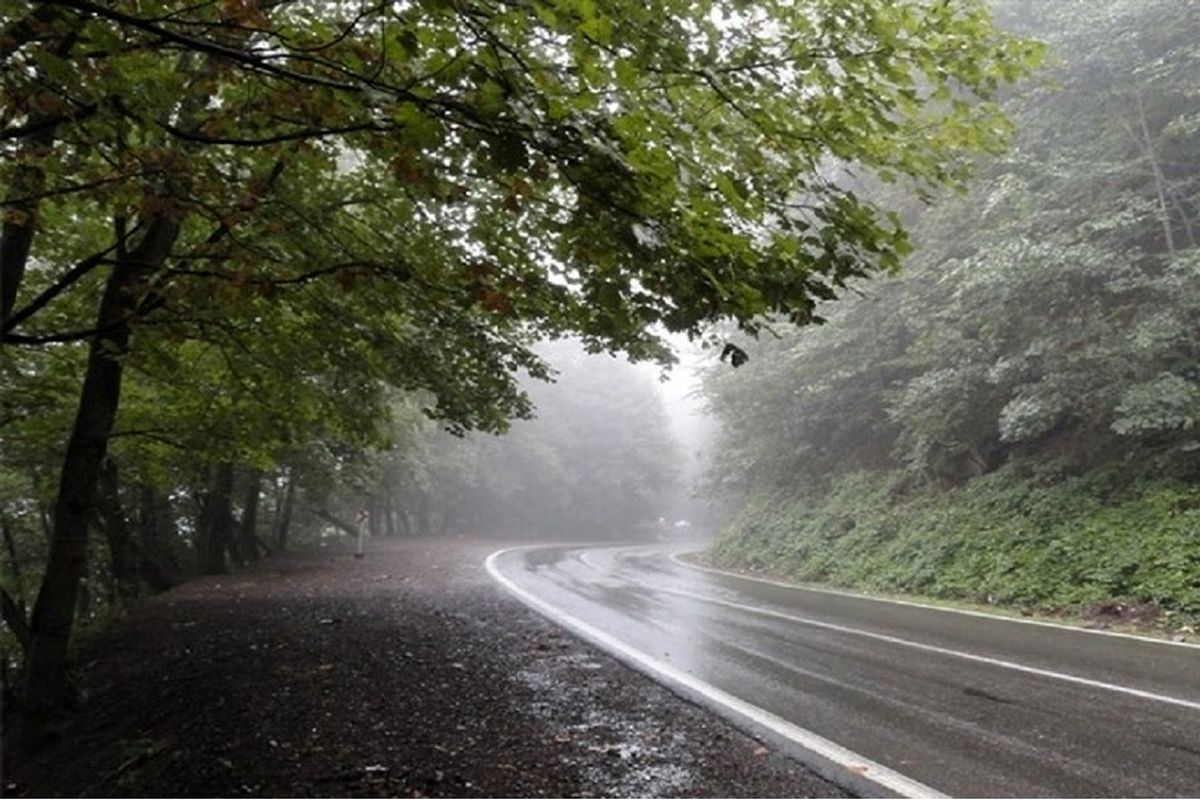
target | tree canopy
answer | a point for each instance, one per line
(252, 216)
(569, 165)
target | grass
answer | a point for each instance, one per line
(1086, 549)
(1172, 627)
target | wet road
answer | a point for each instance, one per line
(965, 704)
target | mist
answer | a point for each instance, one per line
(612, 452)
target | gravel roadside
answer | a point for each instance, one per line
(406, 673)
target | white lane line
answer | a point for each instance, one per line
(945, 651)
(852, 765)
(585, 556)
(968, 612)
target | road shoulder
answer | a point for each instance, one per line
(404, 674)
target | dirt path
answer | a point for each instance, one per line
(404, 674)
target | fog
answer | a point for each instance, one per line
(614, 451)
(693, 430)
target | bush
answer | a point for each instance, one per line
(1001, 538)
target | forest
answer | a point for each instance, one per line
(270, 268)
(1014, 418)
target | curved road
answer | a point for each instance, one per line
(963, 704)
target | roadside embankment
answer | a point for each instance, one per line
(1087, 548)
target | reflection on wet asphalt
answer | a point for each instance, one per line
(968, 705)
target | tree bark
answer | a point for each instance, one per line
(16, 236)
(115, 526)
(285, 514)
(251, 545)
(389, 516)
(46, 687)
(25, 183)
(47, 525)
(14, 560)
(374, 516)
(216, 522)
(14, 616)
(156, 566)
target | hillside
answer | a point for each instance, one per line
(1013, 418)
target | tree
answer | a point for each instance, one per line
(473, 174)
(1043, 331)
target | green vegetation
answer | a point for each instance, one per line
(246, 246)
(1037, 541)
(1016, 416)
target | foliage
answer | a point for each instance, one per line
(1010, 538)
(668, 160)
(1047, 316)
(234, 232)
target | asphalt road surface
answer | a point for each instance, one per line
(963, 704)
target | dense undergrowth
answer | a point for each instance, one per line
(1018, 537)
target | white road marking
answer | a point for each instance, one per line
(945, 651)
(851, 765)
(586, 557)
(968, 612)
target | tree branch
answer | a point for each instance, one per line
(37, 125)
(14, 617)
(24, 30)
(151, 303)
(69, 277)
(204, 46)
(33, 197)
(310, 133)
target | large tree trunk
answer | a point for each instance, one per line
(374, 516)
(251, 546)
(422, 515)
(389, 516)
(25, 183)
(122, 551)
(157, 565)
(46, 687)
(16, 236)
(285, 514)
(14, 560)
(216, 522)
(13, 612)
